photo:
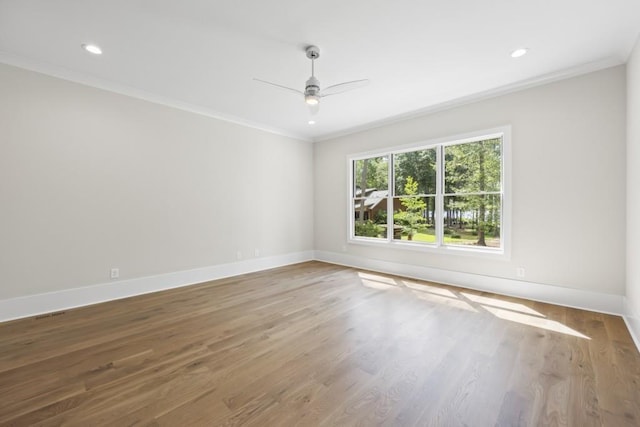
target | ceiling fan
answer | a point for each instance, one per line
(312, 92)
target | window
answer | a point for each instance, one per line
(442, 195)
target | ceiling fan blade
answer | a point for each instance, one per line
(343, 87)
(280, 86)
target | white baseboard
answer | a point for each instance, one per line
(568, 297)
(32, 305)
(632, 319)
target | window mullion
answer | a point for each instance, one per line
(390, 194)
(439, 197)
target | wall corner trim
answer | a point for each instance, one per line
(32, 305)
(632, 320)
(568, 297)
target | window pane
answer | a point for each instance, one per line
(414, 219)
(370, 217)
(370, 175)
(473, 167)
(415, 172)
(472, 220)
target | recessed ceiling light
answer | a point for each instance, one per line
(519, 52)
(92, 48)
(312, 122)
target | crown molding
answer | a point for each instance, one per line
(88, 80)
(95, 82)
(480, 96)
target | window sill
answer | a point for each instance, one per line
(495, 254)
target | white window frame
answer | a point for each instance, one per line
(504, 252)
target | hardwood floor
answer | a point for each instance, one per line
(319, 344)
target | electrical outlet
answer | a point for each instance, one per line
(520, 272)
(115, 273)
(256, 252)
(239, 255)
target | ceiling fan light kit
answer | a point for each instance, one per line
(311, 99)
(312, 92)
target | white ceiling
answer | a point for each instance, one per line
(203, 54)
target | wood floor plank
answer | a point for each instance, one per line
(317, 344)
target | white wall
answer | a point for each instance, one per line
(91, 180)
(633, 192)
(568, 151)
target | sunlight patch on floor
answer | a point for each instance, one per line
(439, 299)
(374, 284)
(498, 303)
(430, 289)
(537, 322)
(505, 310)
(377, 278)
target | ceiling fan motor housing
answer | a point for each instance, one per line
(312, 87)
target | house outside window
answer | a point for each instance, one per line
(450, 194)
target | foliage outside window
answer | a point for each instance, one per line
(369, 196)
(443, 195)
